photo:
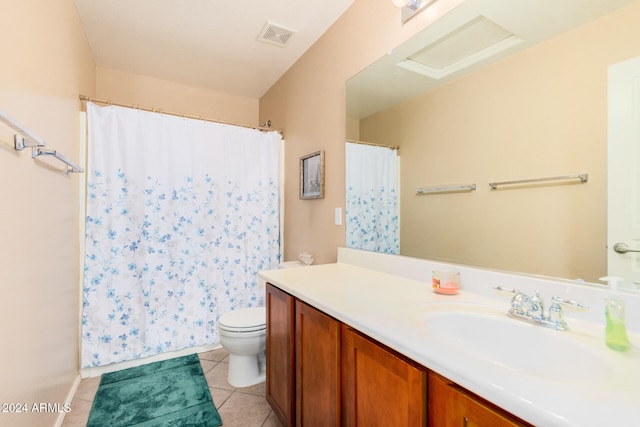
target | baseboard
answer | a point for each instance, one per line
(96, 371)
(69, 399)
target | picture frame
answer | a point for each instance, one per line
(312, 176)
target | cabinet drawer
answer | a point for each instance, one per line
(449, 405)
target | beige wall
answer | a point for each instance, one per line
(133, 89)
(540, 113)
(352, 129)
(46, 64)
(308, 104)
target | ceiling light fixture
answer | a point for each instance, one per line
(411, 7)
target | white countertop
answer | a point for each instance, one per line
(384, 306)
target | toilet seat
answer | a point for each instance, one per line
(244, 320)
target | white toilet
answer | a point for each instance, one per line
(243, 334)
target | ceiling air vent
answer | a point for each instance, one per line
(275, 34)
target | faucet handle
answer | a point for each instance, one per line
(519, 301)
(555, 313)
(520, 304)
(569, 303)
(508, 290)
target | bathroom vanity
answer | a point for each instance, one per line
(365, 341)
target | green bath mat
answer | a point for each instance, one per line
(168, 393)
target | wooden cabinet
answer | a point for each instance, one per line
(280, 392)
(450, 405)
(380, 387)
(317, 356)
(303, 362)
(321, 372)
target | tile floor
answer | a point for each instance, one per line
(238, 407)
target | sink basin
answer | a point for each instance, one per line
(486, 333)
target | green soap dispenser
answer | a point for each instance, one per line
(615, 330)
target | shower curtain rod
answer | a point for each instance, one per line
(157, 110)
(390, 147)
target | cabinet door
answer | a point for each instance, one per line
(280, 361)
(452, 406)
(317, 368)
(380, 387)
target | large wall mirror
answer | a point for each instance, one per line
(501, 90)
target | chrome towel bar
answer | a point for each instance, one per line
(71, 167)
(446, 189)
(583, 177)
(25, 139)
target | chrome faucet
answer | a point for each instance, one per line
(531, 309)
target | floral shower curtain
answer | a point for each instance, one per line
(181, 215)
(372, 218)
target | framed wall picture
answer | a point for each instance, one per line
(312, 176)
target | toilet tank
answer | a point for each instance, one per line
(263, 285)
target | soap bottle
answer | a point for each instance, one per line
(615, 330)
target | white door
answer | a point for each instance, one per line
(624, 172)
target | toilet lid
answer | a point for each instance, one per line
(244, 319)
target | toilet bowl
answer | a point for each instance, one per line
(243, 334)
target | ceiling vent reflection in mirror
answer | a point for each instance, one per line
(274, 34)
(468, 44)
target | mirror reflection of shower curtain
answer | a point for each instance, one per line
(372, 205)
(181, 216)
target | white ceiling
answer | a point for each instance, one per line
(204, 43)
